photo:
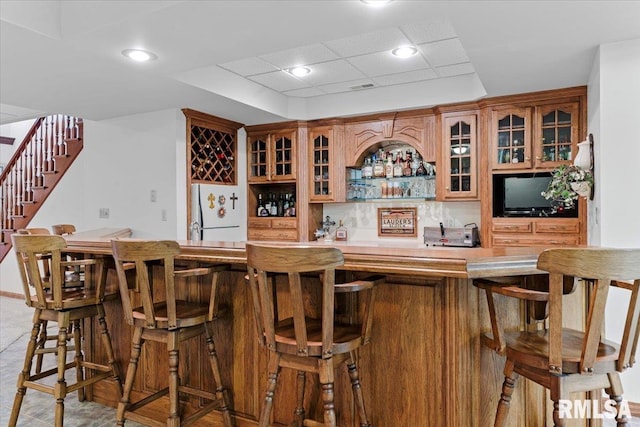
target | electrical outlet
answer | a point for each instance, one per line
(103, 213)
(163, 214)
(154, 195)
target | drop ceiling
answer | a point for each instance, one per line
(228, 58)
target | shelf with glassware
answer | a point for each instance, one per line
(394, 174)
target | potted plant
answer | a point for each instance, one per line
(568, 183)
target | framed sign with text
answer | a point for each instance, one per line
(397, 222)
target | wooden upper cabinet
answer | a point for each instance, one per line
(326, 164)
(365, 137)
(511, 139)
(540, 137)
(457, 172)
(271, 156)
(555, 135)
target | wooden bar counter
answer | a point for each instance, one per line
(425, 366)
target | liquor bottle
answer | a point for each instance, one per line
(280, 205)
(273, 211)
(286, 205)
(341, 232)
(421, 170)
(292, 205)
(406, 171)
(398, 167)
(415, 163)
(378, 168)
(388, 166)
(367, 168)
(262, 211)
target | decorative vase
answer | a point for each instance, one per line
(582, 188)
(583, 158)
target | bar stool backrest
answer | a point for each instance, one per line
(50, 292)
(63, 229)
(145, 254)
(605, 268)
(293, 261)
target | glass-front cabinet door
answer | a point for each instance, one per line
(271, 156)
(460, 157)
(320, 165)
(556, 135)
(511, 139)
(283, 167)
(258, 158)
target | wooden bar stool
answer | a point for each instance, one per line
(53, 302)
(565, 360)
(154, 305)
(69, 281)
(308, 342)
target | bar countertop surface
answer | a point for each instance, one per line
(395, 257)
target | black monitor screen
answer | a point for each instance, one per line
(525, 193)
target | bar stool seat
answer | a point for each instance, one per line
(160, 312)
(306, 340)
(68, 306)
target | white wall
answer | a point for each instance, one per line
(614, 110)
(122, 161)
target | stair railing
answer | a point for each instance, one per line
(32, 160)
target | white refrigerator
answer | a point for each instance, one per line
(220, 210)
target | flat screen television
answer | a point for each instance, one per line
(520, 195)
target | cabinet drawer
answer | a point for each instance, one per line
(272, 234)
(257, 222)
(512, 227)
(557, 227)
(532, 241)
(284, 222)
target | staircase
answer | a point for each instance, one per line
(47, 151)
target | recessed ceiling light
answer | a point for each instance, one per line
(376, 3)
(404, 51)
(139, 55)
(299, 71)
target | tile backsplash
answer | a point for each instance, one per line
(361, 219)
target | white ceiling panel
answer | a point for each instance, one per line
(332, 72)
(304, 93)
(408, 77)
(455, 70)
(279, 80)
(446, 52)
(249, 66)
(362, 44)
(303, 55)
(381, 63)
(347, 86)
(429, 31)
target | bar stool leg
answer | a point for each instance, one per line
(26, 370)
(136, 347)
(106, 341)
(510, 378)
(42, 340)
(221, 392)
(326, 380)
(300, 385)
(60, 389)
(357, 390)
(272, 380)
(174, 381)
(79, 358)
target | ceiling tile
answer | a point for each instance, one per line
(427, 32)
(446, 52)
(368, 43)
(382, 63)
(249, 66)
(303, 55)
(279, 80)
(411, 76)
(455, 70)
(346, 86)
(305, 93)
(332, 72)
